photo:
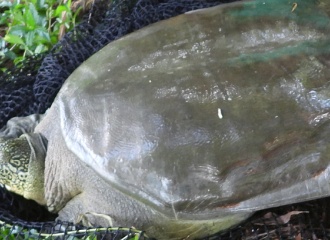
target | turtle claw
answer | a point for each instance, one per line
(86, 219)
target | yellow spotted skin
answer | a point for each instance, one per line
(14, 162)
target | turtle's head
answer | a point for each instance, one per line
(22, 166)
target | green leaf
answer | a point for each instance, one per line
(10, 55)
(67, 25)
(17, 6)
(40, 49)
(76, 14)
(68, 4)
(18, 60)
(29, 38)
(59, 20)
(59, 10)
(43, 34)
(34, 2)
(50, 13)
(54, 38)
(17, 17)
(4, 18)
(13, 39)
(31, 16)
(42, 20)
(18, 30)
(41, 4)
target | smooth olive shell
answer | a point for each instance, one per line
(215, 111)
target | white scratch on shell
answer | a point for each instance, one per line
(220, 113)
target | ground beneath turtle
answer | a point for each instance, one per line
(307, 220)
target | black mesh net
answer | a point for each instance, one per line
(24, 219)
(32, 88)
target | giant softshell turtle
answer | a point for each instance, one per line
(188, 126)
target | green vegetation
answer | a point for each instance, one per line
(18, 233)
(30, 27)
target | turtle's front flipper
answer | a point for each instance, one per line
(19, 125)
(22, 164)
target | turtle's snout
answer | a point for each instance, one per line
(14, 162)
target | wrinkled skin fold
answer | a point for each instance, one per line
(196, 121)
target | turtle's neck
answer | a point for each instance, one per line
(35, 179)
